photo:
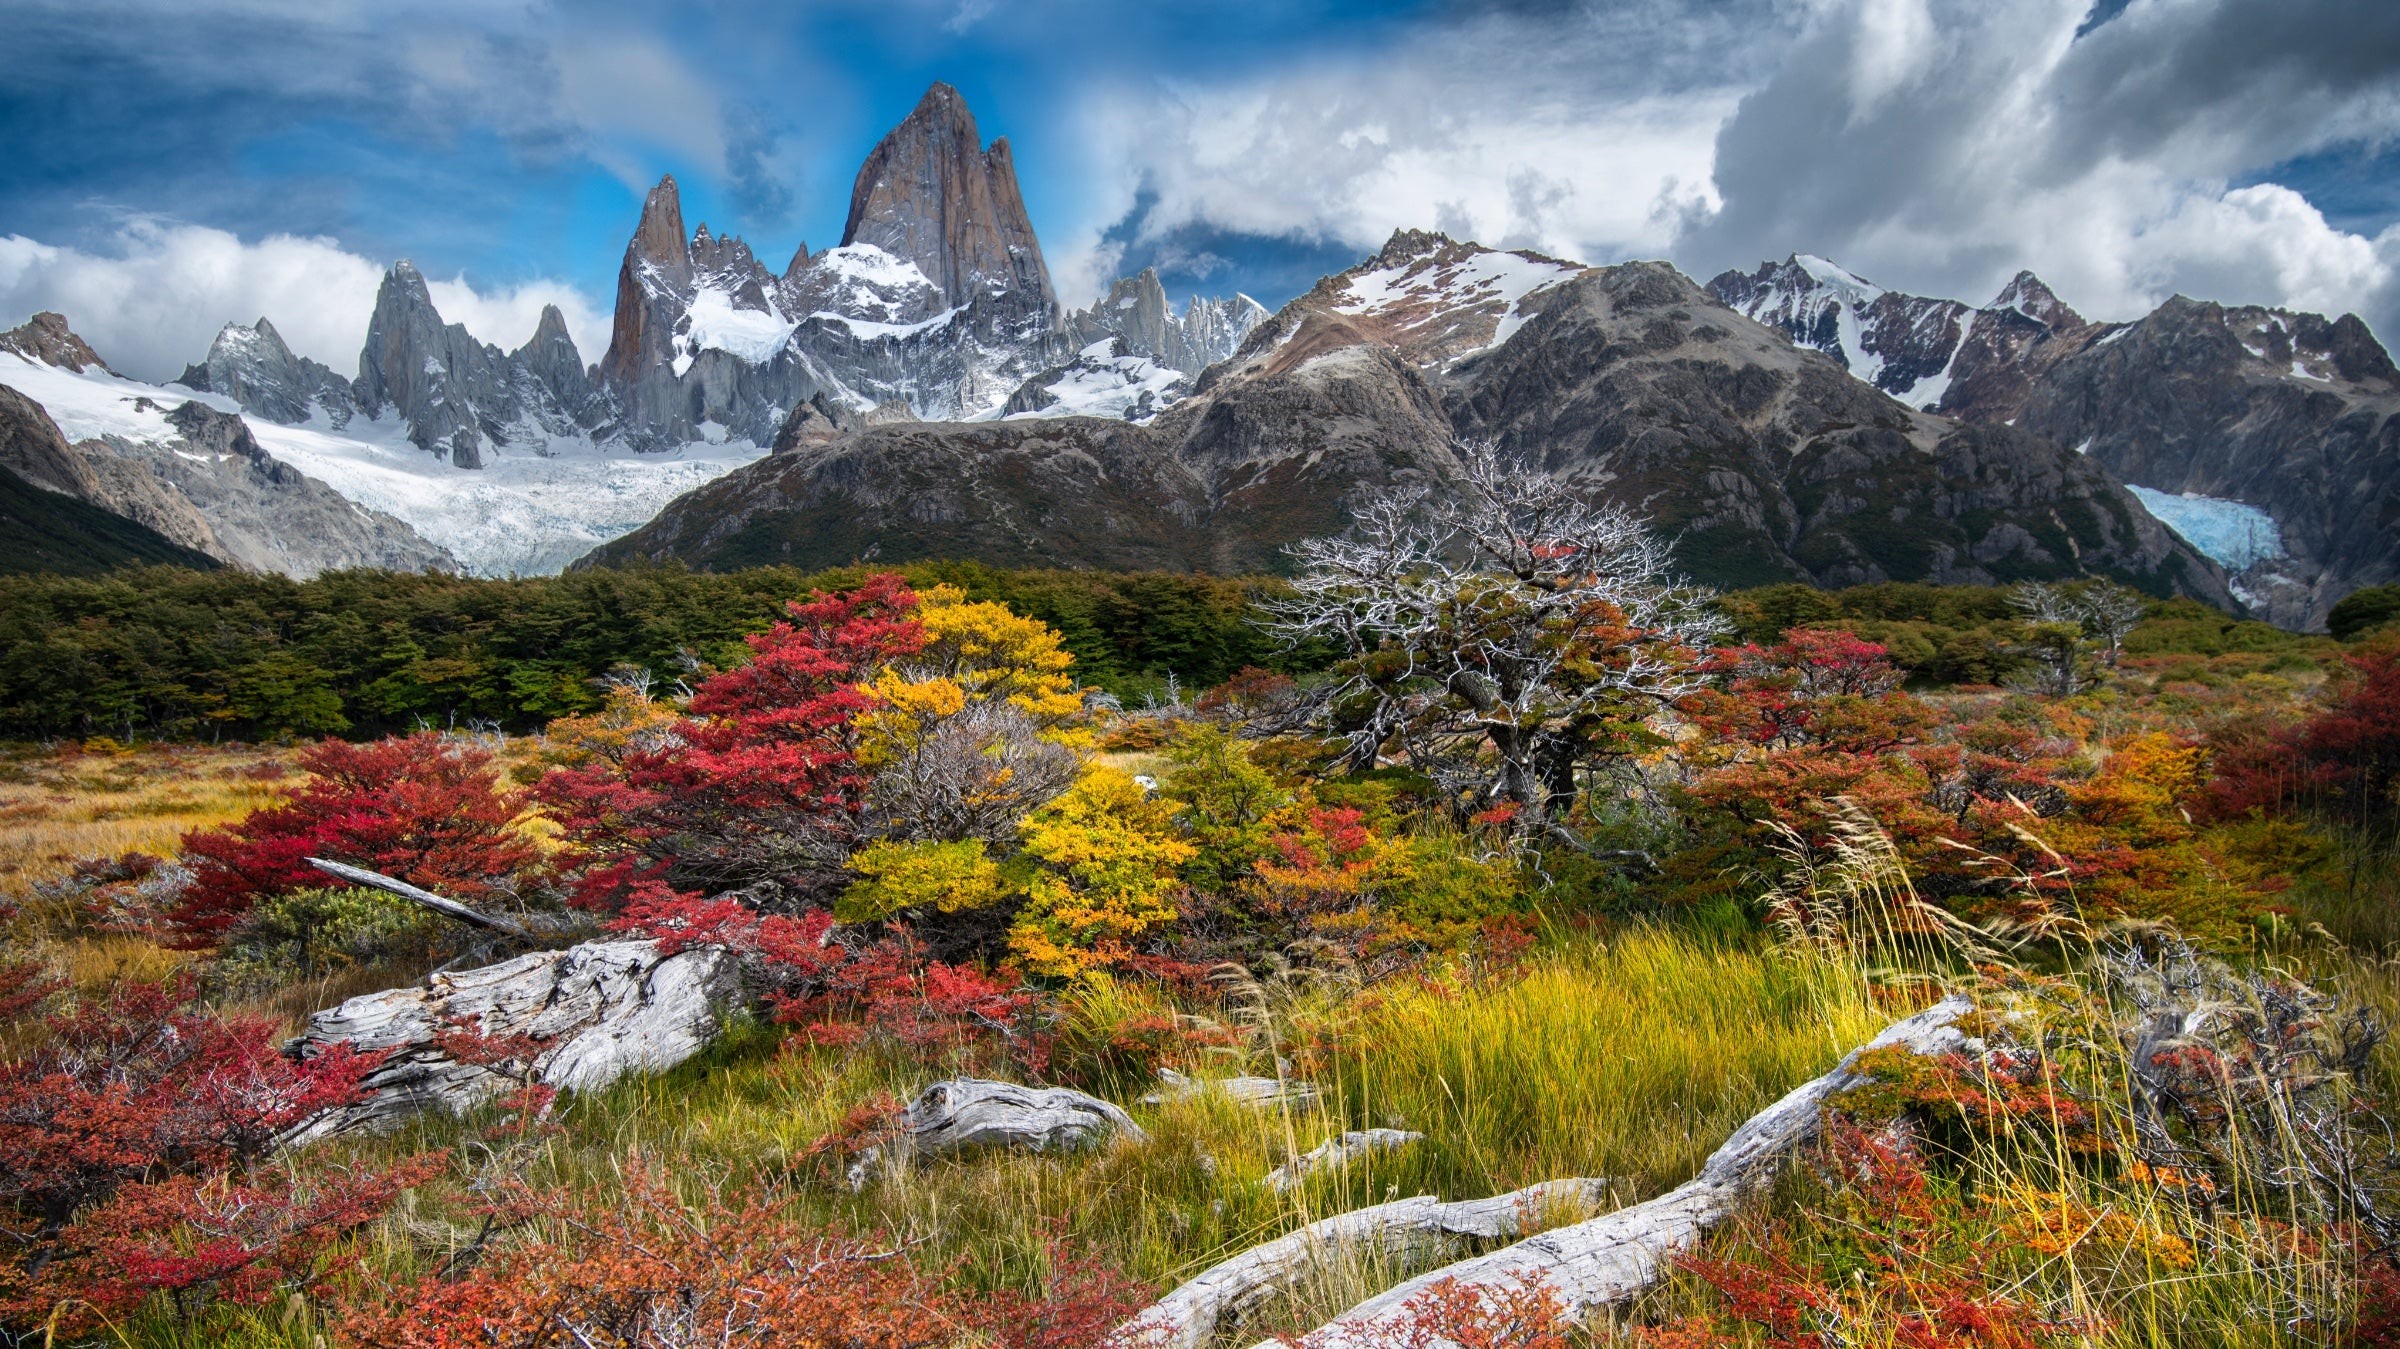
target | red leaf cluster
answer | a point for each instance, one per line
(125, 1128)
(761, 783)
(655, 1270)
(425, 808)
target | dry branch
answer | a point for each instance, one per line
(448, 908)
(1610, 1258)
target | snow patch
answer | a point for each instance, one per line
(2232, 534)
(717, 324)
(1487, 278)
(527, 512)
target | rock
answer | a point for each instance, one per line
(462, 398)
(1135, 310)
(46, 338)
(600, 1011)
(32, 448)
(1973, 363)
(931, 195)
(1338, 1152)
(970, 1114)
(254, 368)
(2293, 414)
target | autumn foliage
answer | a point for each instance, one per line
(658, 1269)
(132, 1129)
(425, 808)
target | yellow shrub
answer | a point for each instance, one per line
(1100, 869)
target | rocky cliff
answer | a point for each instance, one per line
(2266, 437)
(2275, 433)
(252, 366)
(196, 477)
(1770, 462)
(1975, 363)
(932, 196)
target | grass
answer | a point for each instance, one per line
(1628, 1054)
(57, 809)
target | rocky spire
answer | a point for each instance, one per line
(651, 286)
(255, 368)
(552, 361)
(440, 379)
(931, 195)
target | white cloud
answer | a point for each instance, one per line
(1580, 135)
(1936, 145)
(1942, 155)
(152, 304)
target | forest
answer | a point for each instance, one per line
(1480, 936)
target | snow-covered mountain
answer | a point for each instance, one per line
(937, 304)
(343, 487)
(1946, 356)
(2269, 439)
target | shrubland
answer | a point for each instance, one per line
(1518, 844)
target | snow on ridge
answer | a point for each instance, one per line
(526, 512)
(753, 335)
(1828, 273)
(1489, 277)
(2232, 534)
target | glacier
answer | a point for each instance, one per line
(2232, 534)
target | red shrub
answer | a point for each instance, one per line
(654, 1271)
(2343, 761)
(760, 784)
(127, 1123)
(426, 809)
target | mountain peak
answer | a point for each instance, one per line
(931, 195)
(46, 338)
(2031, 296)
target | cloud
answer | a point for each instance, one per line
(153, 304)
(1940, 145)
(1581, 132)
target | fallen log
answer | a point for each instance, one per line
(969, 1114)
(1338, 1152)
(1257, 1091)
(448, 908)
(596, 1012)
(1608, 1259)
(1226, 1294)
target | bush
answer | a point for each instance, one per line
(2363, 611)
(425, 808)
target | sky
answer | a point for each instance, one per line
(167, 166)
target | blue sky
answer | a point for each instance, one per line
(171, 166)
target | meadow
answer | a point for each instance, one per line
(1838, 808)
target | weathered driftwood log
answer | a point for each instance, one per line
(1258, 1091)
(448, 908)
(597, 1012)
(1338, 1152)
(1222, 1296)
(1610, 1258)
(968, 1114)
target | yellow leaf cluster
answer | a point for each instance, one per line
(945, 877)
(976, 652)
(1103, 870)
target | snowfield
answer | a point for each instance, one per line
(2232, 534)
(523, 514)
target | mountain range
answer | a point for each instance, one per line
(918, 390)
